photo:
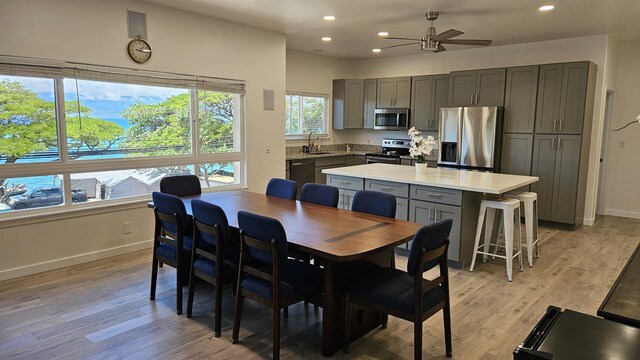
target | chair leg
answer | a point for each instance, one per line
(385, 320)
(417, 339)
(285, 312)
(347, 324)
(236, 319)
(160, 264)
(488, 232)
(446, 314)
(178, 290)
(276, 333)
(217, 326)
(518, 236)
(154, 278)
(508, 241)
(192, 287)
(476, 243)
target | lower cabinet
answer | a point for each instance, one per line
(347, 187)
(327, 163)
(399, 190)
(424, 212)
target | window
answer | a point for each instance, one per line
(111, 133)
(306, 113)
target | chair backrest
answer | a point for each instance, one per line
(283, 188)
(206, 217)
(265, 229)
(320, 194)
(434, 239)
(374, 203)
(169, 205)
(181, 185)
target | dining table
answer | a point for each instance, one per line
(342, 241)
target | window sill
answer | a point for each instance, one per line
(302, 137)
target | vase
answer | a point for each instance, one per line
(421, 168)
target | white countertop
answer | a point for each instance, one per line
(476, 181)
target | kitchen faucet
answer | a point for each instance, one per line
(311, 144)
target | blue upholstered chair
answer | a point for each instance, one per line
(181, 185)
(214, 258)
(374, 203)
(280, 281)
(320, 194)
(283, 188)
(408, 295)
(171, 242)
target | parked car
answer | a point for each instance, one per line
(44, 196)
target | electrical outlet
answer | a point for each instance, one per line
(621, 145)
(126, 227)
(268, 148)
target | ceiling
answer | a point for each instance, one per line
(354, 32)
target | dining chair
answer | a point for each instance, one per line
(283, 188)
(320, 194)
(408, 295)
(172, 241)
(181, 185)
(375, 203)
(214, 258)
(277, 284)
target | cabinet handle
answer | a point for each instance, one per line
(554, 124)
(344, 182)
(560, 129)
(436, 215)
(476, 99)
(430, 216)
(432, 194)
(553, 143)
(385, 188)
(471, 98)
(559, 144)
(294, 164)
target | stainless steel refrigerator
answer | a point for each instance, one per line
(470, 137)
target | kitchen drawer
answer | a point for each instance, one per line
(402, 209)
(345, 182)
(330, 161)
(437, 195)
(393, 188)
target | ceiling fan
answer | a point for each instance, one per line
(433, 42)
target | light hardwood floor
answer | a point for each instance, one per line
(101, 310)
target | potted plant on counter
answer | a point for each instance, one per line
(420, 147)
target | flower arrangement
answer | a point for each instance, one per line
(420, 145)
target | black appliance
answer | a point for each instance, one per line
(570, 335)
(392, 149)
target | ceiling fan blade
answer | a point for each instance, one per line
(440, 49)
(467, 42)
(392, 46)
(401, 38)
(447, 35)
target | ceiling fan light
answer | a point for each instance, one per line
(546, 7)
(376, 51)
(383, 34)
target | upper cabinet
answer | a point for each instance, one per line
(394, 92)
(370, 91)
(520, 99)
(477, 87)
(428, 95)
(348, 104)
(562, 95)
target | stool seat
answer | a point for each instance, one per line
(530, 201)
(511, 221)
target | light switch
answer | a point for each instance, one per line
(621, 145)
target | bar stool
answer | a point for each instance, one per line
(511, 219)
(530, 201)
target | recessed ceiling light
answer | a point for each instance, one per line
(383, 34)
(329, 18)
(546, 7)
(376, 50)
(326, 38)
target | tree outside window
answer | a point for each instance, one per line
(305, 113)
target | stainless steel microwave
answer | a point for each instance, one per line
(391, 119)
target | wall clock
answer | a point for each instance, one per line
(139, 51)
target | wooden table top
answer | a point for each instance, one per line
(331, 233)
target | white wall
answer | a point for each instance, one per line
(95, 32)
(623, 167)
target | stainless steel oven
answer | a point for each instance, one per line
(391, 119)
(372, 159)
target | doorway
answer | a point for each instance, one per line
(602, 177)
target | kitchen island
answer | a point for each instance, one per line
(438, 194)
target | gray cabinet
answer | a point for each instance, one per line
(428, 95)
(370, 91)
(394, 92)
(399, 190)
(520, 99)
(351, 160)
(347, 187)
(425, 212)
(348, 104)
(477, 87)
(562, 96)
(517, 150)
(556, 162)
(326, 163)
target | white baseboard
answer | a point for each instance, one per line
(623, 213)
(73, 260)
(588, 222)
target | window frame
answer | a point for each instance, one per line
(66, 167)
(326, 111)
